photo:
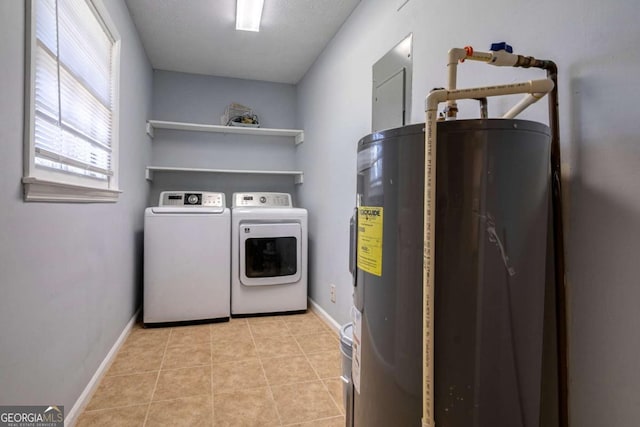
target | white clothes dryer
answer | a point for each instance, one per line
(187, 258)
(268, 254)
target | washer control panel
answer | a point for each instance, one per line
(265, 200)
(205, 199)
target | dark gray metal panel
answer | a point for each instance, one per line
(492, 181)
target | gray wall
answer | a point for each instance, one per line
(203, 99)
(593, 43)
(70, 274)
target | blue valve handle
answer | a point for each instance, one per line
(501, 46)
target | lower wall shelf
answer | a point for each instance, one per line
(298, 176)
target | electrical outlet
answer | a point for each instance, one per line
(332, 292)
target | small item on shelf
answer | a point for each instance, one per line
(245, 121)
(239, 115)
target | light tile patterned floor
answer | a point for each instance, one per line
(260, 371)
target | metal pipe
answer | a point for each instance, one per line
(558, 234)
(484, 108)
(559, 251)
(429, 219)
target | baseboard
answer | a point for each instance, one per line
(330, 321)
(83, 400)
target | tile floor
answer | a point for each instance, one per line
(262, 371)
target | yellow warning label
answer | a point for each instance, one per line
(370, 239)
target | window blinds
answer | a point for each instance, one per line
(73, 90)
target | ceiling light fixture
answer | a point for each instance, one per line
(248, 14)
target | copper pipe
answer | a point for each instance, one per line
(484, 108)
(558, 235)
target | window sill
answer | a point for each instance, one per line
(38, 190)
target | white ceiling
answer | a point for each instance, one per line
(199, 36)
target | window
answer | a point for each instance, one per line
(71, 118)
(271, 256)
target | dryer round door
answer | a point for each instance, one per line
(270, 254)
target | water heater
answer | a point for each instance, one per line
(491, 233)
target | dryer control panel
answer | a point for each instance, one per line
(203, 199)
(265, 200)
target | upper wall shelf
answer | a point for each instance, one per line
(160, 124)
(298, 176)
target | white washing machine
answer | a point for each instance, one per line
(187, 258)
(268, 254)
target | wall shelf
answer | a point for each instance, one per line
(298, 176)
(297, 134)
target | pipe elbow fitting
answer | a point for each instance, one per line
(456, 54)
(541, 86)
(434, 98)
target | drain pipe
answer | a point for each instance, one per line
(429, 220)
